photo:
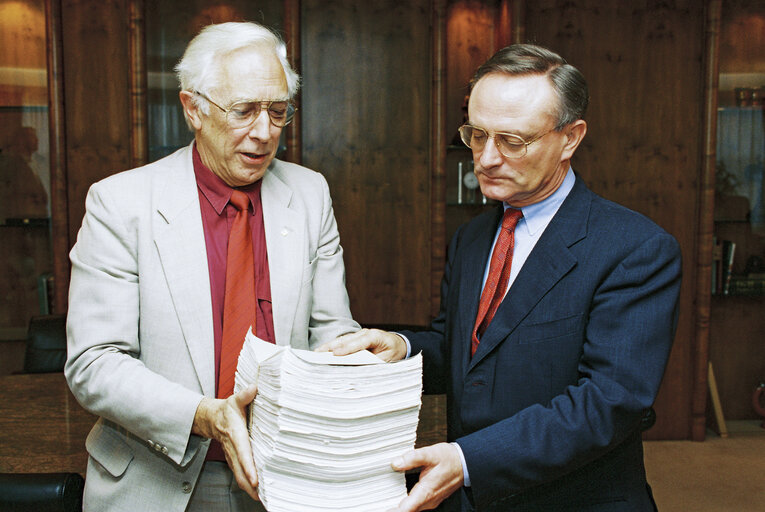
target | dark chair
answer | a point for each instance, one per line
(46, 344)
(41, 492)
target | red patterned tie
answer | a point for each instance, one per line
(239, 299)
(499, 275)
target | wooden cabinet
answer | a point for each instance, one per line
(737, 322)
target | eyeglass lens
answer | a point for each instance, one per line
(245, 113)
(508, 144)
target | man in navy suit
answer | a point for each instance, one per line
(545, 397)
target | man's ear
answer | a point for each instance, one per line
(191, 109)
(575, 132)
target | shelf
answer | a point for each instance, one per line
(41, 222)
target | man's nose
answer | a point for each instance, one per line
(261, 128)
(490, 156)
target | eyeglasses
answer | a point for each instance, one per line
(244, 113)
(510, 145)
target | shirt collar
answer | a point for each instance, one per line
(536, 216)
(217, 192)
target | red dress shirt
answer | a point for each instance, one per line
(217, 216)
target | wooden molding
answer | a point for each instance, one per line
(706, 221)
(292, 36)
(57, 143)
(139, 113)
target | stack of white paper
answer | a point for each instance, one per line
(324, 429)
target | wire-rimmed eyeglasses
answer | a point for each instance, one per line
(244, 113)
(509, 144)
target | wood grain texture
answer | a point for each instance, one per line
(139, 128)
(438, 151)
(737, 352)
(42, 427)
(366, 126)
(293, 132)
(95, 56)
(643, 63)
(705, 222)
(59, 201)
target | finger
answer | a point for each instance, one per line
(420, 498)
(411, 460)
(355, 342)
(242, 481)
(246, 396)
(329, 346)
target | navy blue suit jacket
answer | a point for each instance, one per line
(547, 412)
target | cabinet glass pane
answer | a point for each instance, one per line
(25, 258)
(170, 26)
(740, 181)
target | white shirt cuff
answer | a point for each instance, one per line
(408, 345)
(465, 475)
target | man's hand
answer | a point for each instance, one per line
(441, 475)
(224, 421)
(387, 346)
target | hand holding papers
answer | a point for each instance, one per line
(324, 428)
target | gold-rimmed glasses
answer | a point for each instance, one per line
(509, 144)
(244, 113)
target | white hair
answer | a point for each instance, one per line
(198, 69)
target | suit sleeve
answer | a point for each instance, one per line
(330, 309)
(629, 333)
(102, 368)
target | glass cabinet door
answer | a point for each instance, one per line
(25, 242)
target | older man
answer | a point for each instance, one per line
(557, 316)
(172, 265)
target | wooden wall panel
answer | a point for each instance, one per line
(643, 63)
(366, 102)
(96, 90)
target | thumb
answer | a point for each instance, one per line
(246, 396)
(410, 460)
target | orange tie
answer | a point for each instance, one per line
(499, 275)
(239, 299)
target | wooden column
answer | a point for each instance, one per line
(57, 143)
(438, 154)
(139, 113)
(706, 220)
(292, 36)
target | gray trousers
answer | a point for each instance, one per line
(217, 491)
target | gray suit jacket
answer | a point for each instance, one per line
(140, 328)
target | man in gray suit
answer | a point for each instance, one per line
(146, 304)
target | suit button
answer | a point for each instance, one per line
(151, 443)
(157, 447)
(186, 487)
(164, 450)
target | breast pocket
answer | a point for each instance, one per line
(551, 330)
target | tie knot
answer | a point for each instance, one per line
(511, 218)
(240, 200)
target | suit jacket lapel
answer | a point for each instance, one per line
(472, 267)
(284, 241)
(180, 240)
(548, 262)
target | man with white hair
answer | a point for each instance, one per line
(175, 261)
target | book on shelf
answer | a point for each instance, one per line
(716, 266)
(747, 285)
(728, 252)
